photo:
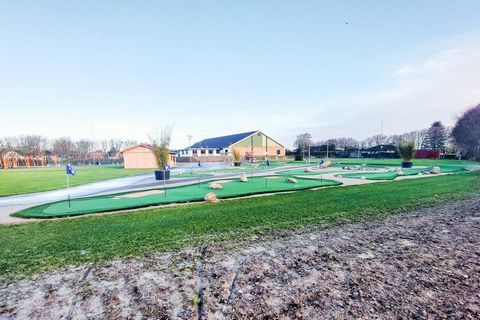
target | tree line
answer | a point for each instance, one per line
(462, 140)
(36, 150)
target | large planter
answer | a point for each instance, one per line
(406, 165)
(237, 164)
(162, 175)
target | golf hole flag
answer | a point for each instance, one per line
(69, 169)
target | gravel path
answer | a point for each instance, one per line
(423, 264)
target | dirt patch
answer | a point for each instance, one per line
(139, 194)
(424, 264)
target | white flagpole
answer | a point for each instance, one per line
(165, 183)
(68, 191)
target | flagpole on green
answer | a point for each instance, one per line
(68, 187)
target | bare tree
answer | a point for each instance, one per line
(303, 141)
(466, 133)
(104, 145)
(33, 145)
(64, 148)
(82, 148)
(377, 140)
(346, 143)
(127, 143)
(115, 146)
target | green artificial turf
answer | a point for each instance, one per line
(39, 246)
(194, 174)
(397, 162)
(20, 181)
(302, 172)
(391, 175)
(195, 192)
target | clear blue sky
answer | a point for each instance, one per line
(331, 68)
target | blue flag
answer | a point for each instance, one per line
(69, 169)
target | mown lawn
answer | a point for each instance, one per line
(20, 181)
(35, 247)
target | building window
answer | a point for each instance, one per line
(278, 152)
(194, 151)
(210, 151)
(202, 151)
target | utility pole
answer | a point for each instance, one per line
(309, 154)
(190, 150)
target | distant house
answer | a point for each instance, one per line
(141, 157)
(249, 144)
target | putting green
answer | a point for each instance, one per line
(193, 174)
(196, 192)
(301, 172)
(391, 175)
(248, 167)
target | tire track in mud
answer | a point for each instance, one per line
(71, 310)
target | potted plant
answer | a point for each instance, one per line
(160, 140)
(406, 150)
(236, 157)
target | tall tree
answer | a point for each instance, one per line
(64, 148)
(32, 145)
(436, 137)
(83, 147)
(377, 140)
(303, 141)
(466, 133)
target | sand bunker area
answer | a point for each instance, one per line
(421, 264)
(140, 194)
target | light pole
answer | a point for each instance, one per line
(190, 150)
(309, 154)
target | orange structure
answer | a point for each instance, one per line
(141, 157)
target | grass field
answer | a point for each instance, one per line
(20, 181)
(195, 192)
(35, 247)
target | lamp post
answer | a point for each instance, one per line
(309, 154)
(190, 150)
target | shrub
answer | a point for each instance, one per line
(406, 150)
(160, 138)
(236, 155)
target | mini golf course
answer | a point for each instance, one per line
(392, 174)
(190, 193)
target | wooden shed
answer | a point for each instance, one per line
(141, 157)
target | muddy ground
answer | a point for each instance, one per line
(423, 264)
